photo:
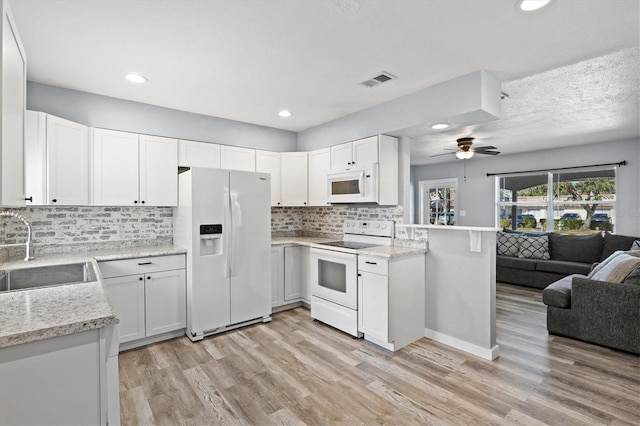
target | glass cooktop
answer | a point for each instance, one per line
(349, 244)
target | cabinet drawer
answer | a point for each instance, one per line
(142, 265)
(375, 265)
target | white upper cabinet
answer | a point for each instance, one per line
(365, 151)
(237, 158)
(68, 160)
(293, 187)
(115, 168)
(198, 154)
(57, 162)
(269, 162)
(158, 171)
(131, 169)
(319, 166)
(13, 73)
(357, 153)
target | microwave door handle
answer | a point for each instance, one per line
(361, 183)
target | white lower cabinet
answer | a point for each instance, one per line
(391, 304)
(148, 295)
(70, 380)
(289, 275)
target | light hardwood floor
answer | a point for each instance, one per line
(297, 371)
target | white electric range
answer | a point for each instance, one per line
(334, 272)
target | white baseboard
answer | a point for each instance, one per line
(479, 351)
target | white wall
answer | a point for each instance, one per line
(477, 195)
(119, 114)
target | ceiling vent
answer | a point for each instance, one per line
(383, 77)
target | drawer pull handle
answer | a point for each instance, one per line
(144, 263)
(370, 263)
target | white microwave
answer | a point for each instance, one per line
(353, 185)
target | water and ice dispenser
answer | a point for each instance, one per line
(210, 240)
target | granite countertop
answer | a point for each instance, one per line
(387, 252)
(45, 312)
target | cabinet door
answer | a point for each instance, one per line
(373, 306)
(67, 162)
(13, 73)
(269, 162)
(365, 151)
(319, 166)
(115, 168)
(198, 154)
(292, 273)
(236, 158)
(277, 275)
(158, 171)
(294, 178)
(341, 155)
(165, 301)
(126, 295)
(35, 157)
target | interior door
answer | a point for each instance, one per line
(250, 245)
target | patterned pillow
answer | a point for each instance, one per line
(635, 245)
(534, 247)
(508, 244)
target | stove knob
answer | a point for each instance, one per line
(384, 226)
(377, 225)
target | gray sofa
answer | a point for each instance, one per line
(570, 254)
(599, 312)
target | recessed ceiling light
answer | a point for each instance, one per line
(284, 113)
(440, 126)
(531, 5)
(135, 78)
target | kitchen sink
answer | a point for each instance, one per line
(45, 276)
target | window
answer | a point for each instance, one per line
(570, 202)
(438, 201)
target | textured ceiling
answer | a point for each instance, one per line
(247, 59)
(591, 101)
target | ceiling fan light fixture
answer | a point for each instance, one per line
(531, 5)
(440, 126)
(464, 155)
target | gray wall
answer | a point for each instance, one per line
(477, 194)
(119, 114)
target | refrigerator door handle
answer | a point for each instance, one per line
(236, 220)
(228, 240)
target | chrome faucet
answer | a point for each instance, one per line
(27, 246)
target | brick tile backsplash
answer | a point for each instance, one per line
(74, 229)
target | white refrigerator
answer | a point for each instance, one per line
(223, 219)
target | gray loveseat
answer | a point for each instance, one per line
(599, 312)
(569, 254)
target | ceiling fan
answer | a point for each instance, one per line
(466, 151)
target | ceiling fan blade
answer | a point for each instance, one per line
(488, 152)
(446, 153)
(484, 147)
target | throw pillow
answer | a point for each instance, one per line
(617, 269)
(534, 247)
(633, 277)
(635, 245)
(508, 244)
(609, 259)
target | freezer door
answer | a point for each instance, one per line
(250, 248)
(208, 287)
